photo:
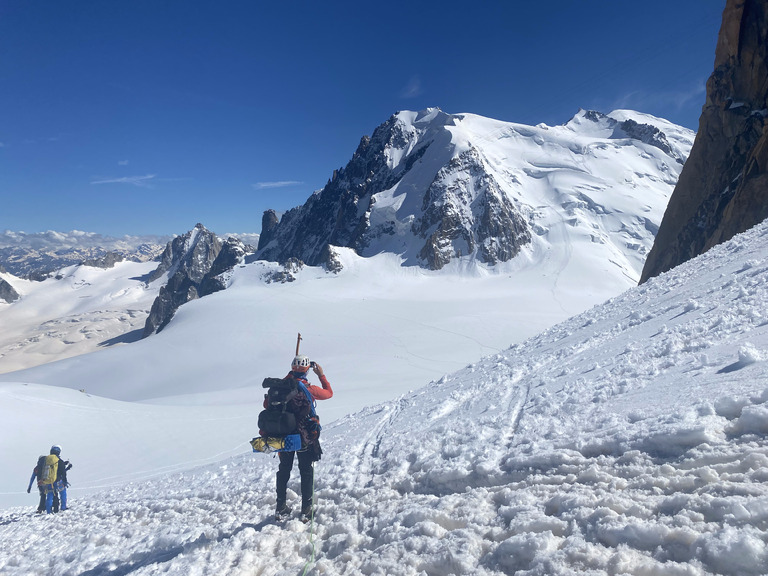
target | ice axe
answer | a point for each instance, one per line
(298, 342)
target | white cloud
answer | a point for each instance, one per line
(122, 162)
(674, 99)
(412, 89)
(280, 184)
(141, 181)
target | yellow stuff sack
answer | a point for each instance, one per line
(48, 466)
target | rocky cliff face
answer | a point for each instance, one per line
(723, 188)
(336, 215)
(465, 212)
(232, 253)
(187, 260)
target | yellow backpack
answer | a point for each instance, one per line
(47, 467)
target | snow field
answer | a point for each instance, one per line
(628, 440)
(81, 311)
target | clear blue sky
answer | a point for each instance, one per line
(147, 116)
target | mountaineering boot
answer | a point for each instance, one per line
(282, 511)
(306, 514)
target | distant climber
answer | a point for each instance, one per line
(48, 475)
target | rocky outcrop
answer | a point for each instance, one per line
(465, 211)
(629, 128)
(290, 268)
(232, 253)
(723, 188)
(105, 262)
(649, 135)
(187, 260)
(7, 292)
(269, 222)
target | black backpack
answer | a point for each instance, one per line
(286, 406)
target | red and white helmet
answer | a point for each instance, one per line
(300, 363)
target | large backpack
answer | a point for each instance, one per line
(286, 407)
(46, 469)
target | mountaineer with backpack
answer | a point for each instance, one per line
(290, 414)
(46, 472)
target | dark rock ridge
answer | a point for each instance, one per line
(723, 188)
(337, 214)
(7, 292)
(105, 262)
(232, 253)
(646, 133)
(187, 260)
(491, 225)
(463, 211)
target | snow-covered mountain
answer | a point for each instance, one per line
(630, 439)
(433, 187)
(560, 203)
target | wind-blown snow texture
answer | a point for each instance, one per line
(630, 439)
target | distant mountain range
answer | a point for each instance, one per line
(436, 188)
(36, 255)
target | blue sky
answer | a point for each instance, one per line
(148, 116)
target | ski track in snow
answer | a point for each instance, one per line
(631, 439)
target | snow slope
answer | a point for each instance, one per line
(378, 329)
(81, 310)
(630, 439)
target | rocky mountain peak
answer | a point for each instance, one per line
(187, 259)
(349, 212)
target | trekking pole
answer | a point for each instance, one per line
(298, 341)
